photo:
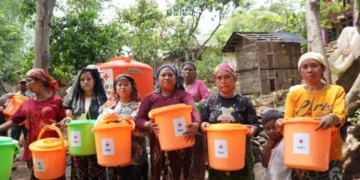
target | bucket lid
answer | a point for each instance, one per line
(48, 144)
(7, 141)
(111, 125)
(81, 122)
(301, 120)
(226, 127)
(168, 108)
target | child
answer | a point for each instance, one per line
(273, 157)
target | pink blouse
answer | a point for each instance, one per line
(198, 90)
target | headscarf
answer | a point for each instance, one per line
(75, 99)
(134, 91)
(189, 63)
(225, 67)
(37, 73)
(312, 55)
(179, 81)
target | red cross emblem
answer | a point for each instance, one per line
(106, 76)
(220, 147)
(301, 141)
(107, 144)
(179, 124)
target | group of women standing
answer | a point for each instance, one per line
(87, 99)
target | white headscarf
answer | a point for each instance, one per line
(312, 55)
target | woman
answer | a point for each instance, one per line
(230, 107)
(126, 102)
(198, 90)
(42, 109)
(195, 87)
(84, 100)
(172, 164)
(325, 102)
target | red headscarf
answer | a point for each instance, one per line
(225, 67)
(39, 73)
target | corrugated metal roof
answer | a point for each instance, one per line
(236, 37)
(289, 37)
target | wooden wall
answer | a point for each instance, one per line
(266, 66)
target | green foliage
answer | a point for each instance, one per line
(144, 30)
(11, 40)
(77, 38)
(280, 16)
(356, 117)
(331, 9)
(210, 59)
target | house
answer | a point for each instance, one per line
(338, 21)
(265, 62)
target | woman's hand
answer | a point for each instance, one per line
(191, 132)
(203, 126)
(151, 126)
(253, 130)
(62, 123)
(327, 121)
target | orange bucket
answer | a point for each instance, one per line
(49, 155)
(113, 143)
(226, 146)
(172, 121)
(15, 102)
(305, 148)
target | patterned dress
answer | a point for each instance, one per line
(171, 165)
(138, 170)
(237, 109)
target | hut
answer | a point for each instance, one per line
(265, 62)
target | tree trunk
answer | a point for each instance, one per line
(352, 96)
(44, 11)
(354, 93)
(312, 15)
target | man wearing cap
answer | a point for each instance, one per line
(16, 130)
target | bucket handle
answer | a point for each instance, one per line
(52, 127)
(131, 123)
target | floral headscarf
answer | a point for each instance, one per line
(38, 73)
(225, 67)
(179, 81)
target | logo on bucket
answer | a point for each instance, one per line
(75, 138)
(39, 165)
(221, 149)
(301, 143)
(107, 146)
(179, 126)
